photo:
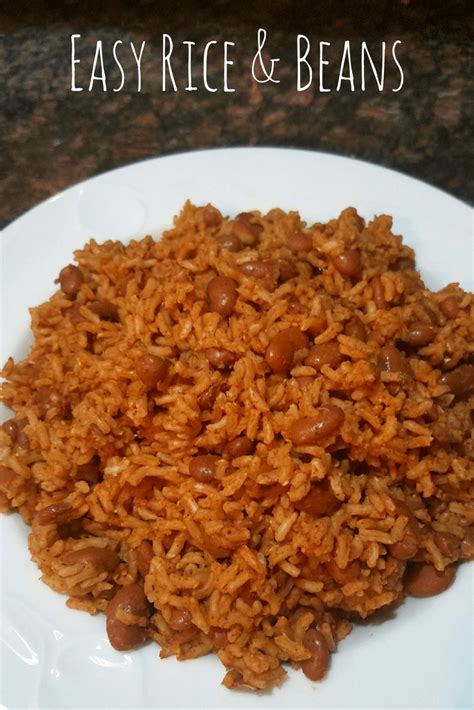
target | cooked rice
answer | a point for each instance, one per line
(106, 461)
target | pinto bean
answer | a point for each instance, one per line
(295, 306)
(266, 271)
(287, 270)
(325, 354)
(245, 230)
(460, 380)
(74, 314)
(319, 501)
(203, 467)
(354, 328)
(211, 216)
(343, 575)
(22, 439)
(57, 513)
(150, 369)
(218, 637)
(450, 306)
(219, 357)
(282, 347)
(424, 580)
(315, 667)
(394, 571)
(390, 359)
(144, 553)
(310, 430)
(304, 381)
(70, 280)
(180, 620)
(299, 241)
(447, 543)
(131, 599)
(208, 397)
(105, 310)
(222, 295)
(10, 427)
(241, 446)
(46, 398)
(230, 242)
(407, 547)
(102, 559)
(378, 292)
(419, 334)
(467, 544)
(348, 263)
(9, 481)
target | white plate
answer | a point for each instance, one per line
(53, 657)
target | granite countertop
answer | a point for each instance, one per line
(54, 137)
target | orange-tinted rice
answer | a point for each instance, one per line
(98, 460)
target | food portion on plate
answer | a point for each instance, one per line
(245, 436)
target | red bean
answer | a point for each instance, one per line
(304, 381)
(75, 315)
(105, 310)
(151, 370)
(319, 501)
(241, 446)
(393, 573)
(282, 347)
(324, 354)
(70, 280)
(101, 559)
(8, 480)
(243, 228)
(222, 295)
(230, 242)
(10, 427)
(447, 543)
(57, 513)
(287, 271)
(348, 263)
(449, 362)
(208, 397)
(354, 328)
(211, 216)
(295, 306)
(408, 546)
(203, 467)
(423, 580)
(311, 430)
(180, 620)
(450, 306)
(461, 380)
(22, 439)
(219, 357)
(299, 241)
(266, 271)
(218, 637)
(419, 334)
(145, 554)
(89, 471)
(343, 575)
(131, 599)
(467, 544)
(318, 324)
(391, 359)
(46, 398)
(315, 667)
(378, 292)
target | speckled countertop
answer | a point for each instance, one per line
(54, 138)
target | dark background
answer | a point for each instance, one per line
(54, 138)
